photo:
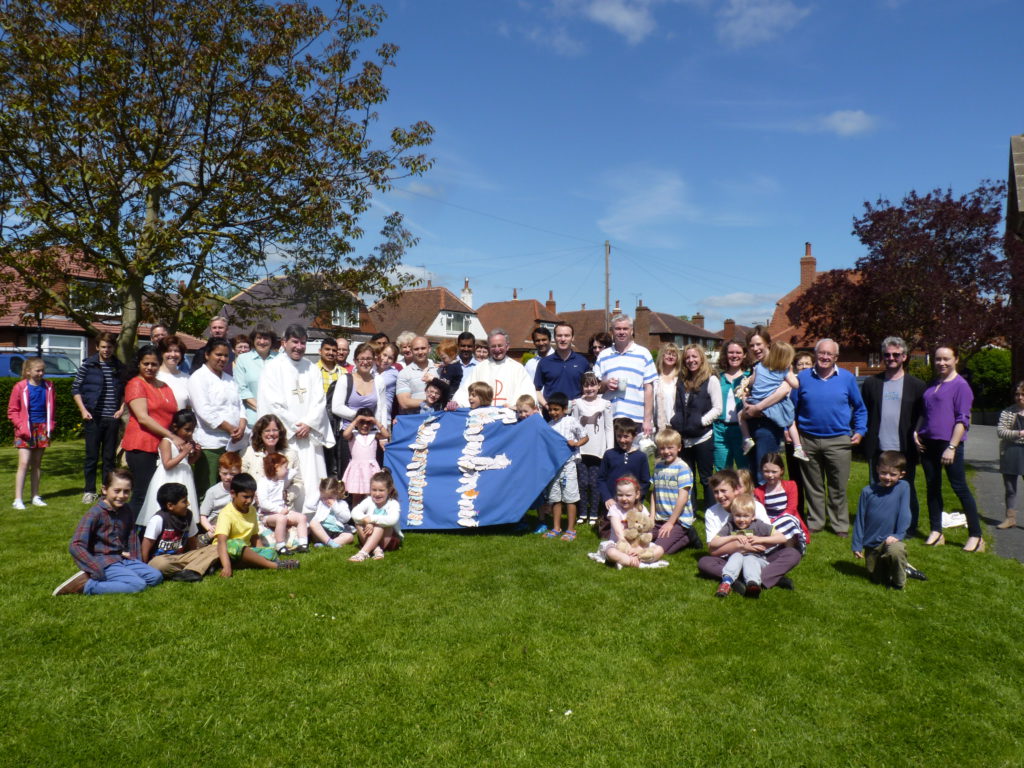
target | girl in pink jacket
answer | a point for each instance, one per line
(31, 410)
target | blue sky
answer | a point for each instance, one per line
(706, 139)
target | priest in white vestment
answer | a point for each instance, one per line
(508, 378)
(291, 388)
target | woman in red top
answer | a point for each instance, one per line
(151, 405)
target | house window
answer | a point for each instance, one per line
(874, 359)
(345, 318)
(75, 347)
(95, 297)
(455, 322)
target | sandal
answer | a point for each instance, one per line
(569, 536)
(554, 533)
(378, 554)
(358, 557)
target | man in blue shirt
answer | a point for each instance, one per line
(563, 371)
(831, 417)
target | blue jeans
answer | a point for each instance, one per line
(768, 438)
(125, 577)
(931, 465)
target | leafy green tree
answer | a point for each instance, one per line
(183, 150)
(989, 373)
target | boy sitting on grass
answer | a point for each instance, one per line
(170, 543)
(238, 532)
(673, 509)
(883, 516)
(757, 538)
(101, 541)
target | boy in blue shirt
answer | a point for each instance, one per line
(883, 516)
(616, 462)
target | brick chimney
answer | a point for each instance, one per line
(642, 326)
(729, 332)
(550, 303)
(467, 294)
(615, 309)
(429, 284)
(808, 268)
(583, 307)
(698, 320)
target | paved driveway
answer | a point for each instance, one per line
(983, 454)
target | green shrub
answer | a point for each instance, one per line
(921, 369)
(988, 371)
(68, 418)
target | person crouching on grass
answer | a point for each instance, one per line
(238, 532)
(757, 538)
(377, 519)
(883, 516)
(102, 537)
(170, 543)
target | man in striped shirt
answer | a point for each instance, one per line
(627, 375)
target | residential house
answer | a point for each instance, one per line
(436, 313)
(518, 318)
(650, 329)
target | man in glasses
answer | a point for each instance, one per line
(894, 400)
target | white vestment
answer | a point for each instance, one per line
(508, 379)
(294, 392)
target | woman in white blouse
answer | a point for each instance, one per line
(218, 409)
(173, 352)
(665, 385)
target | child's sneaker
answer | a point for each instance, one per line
(72, 586)
(18, 504)
(723, 589)
(186, 576)
(37, 501)
(302, 549)
(287, 565)
(753, 590)
(798, 453)
(88, 497)
(748, 445)
(540, 529)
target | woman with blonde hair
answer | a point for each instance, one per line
(698, 404)
(668, 366)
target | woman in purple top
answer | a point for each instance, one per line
(940, 436)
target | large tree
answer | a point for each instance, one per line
(935, 270)
(183, 150)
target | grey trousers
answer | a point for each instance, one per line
(826, 474)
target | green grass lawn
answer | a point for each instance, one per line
(485, 648)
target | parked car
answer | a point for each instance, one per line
(58, 365)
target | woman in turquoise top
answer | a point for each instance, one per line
(732, 362)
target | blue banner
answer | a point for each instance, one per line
(468, 468)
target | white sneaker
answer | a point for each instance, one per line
(88, 498)
(18, 504)
(799, 453)
(37, 501)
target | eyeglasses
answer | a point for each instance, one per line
(892, 355)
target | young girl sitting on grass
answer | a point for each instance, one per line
(773, 380)
(331, 524)
(627, 498)
(377, 519)
(173, 466)
(274, 499)
(31, 410)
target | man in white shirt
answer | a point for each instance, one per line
(627, 375)
(541, 337)
(291, 388)
(506, 377)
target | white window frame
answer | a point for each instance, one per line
(75, 347)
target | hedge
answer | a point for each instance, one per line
(68, 418)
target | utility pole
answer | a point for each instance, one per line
(607, 284)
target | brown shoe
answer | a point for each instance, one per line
(72, 586)
(1009, 522)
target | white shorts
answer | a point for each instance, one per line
(565, 487)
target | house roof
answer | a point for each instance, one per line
(415, 310)
(585, 323)
(739, 333)
(518, 317)
(663, 323)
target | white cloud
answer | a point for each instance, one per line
(749, 22)
(557, 39)
(633, 20)
(848, 122)
(646, 203)
(740, 299)
(745, 308)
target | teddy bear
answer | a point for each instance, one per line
(637, 536)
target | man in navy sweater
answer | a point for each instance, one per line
(831, 417)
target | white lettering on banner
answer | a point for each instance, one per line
(417, 468)
(471, 463)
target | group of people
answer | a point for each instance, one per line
(305, 435)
